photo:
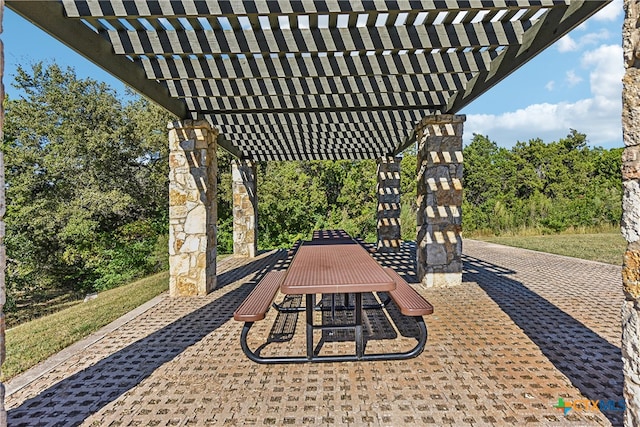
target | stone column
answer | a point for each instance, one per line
(389, 204)
(192, 208)
(245, 208)
(631, 212)
(3, 253)
(439, 221)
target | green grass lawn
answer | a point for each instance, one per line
(32, 342)
(603, 247)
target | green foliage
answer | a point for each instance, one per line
(87, 178)
(295, 198)
(550, 187)
(357, 202)
(225, 203)
(408, 191)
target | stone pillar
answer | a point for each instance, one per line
(3, 253)
(439, 221)
(192, 207)
(389, 204)
(630, 223)
(245, 208)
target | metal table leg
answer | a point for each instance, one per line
(333, 307)
(311, 302)
(358, 327)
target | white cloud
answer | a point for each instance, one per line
(569, 44)
(597, 116)
(606, 72)
(595, 38)
(572, 78)
(550, 86)
(609, 12)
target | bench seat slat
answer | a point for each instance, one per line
(256, 304)
(408, 300)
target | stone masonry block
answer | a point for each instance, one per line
(388, 198)
(631, 273)
(630, 358)
(177, 197)
(631, 162)
(245, 205)
(441, 280)
(630, 223)
(192, 207)
(631, 212)
(434, 177)
(631, 111)
(449, 196)
(388, 210)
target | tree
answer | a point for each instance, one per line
(290, 203)
(84, 179)
(483, 168)
(550, 186)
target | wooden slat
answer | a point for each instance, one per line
(408, 300)
(315, 40)
(256, 304)
(425, 63)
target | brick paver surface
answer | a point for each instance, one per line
(523, 330)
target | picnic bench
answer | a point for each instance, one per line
(255, 305)
(332, 263)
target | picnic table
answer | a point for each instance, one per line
(333, 263)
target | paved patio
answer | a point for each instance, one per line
(523, 330)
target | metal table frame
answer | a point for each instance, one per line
(359, 339)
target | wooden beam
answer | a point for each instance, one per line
(142, 8)
(551, 27)
(49, 16)
(223, 142)
(410, 139)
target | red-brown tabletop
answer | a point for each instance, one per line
(341, 266)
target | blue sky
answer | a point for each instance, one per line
(24, 44)
(574, 84)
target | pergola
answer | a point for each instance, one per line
(330, 79)
(318, 79)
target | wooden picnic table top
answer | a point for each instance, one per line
(325, 266)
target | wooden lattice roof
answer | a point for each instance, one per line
(316, 79)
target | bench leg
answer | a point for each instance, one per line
(259, 359)
(414, 352)
(422, 340)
